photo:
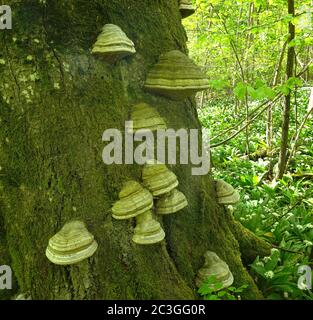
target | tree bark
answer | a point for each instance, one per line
(286, 115)
(56, 100)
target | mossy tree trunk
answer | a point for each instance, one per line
(56, 100)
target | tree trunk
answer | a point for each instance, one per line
(283, 157)
(269, 124)
(56, 101)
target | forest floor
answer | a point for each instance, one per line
(279, 211)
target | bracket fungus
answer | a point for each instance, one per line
(134, 200)
(176, 76)
(72, 244)
(23, 296)
(146, 118)
(226, 194)
(172, 202)
(113, 44)
(148, 230)
(214, 266)
(186, 8)
(158, 179)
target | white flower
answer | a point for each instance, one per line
(273, 250)
(254, 203)
(269, 274)
(299, 227)
(286, 295)
(267, 259)
(260, 264)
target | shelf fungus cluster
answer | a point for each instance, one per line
(176, 76)
(158, 179)
(113, 44)
(162, 183)
(186, 8)
(146, 118)
(136, 201)
(72, 244)
(214, 266)
(226, 194)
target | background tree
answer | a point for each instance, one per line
(283, 157)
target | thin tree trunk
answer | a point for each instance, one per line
(269, 124)
(286, 115)
(298, 132)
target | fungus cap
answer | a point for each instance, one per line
(176, 76)
(171, 203)
(72, 244)
(134, 200)
(186, 8)
(158, 179)
(214, 266)
(146, 118)
(231, 199)
(223, 188)
(113, 44)
(148, 230)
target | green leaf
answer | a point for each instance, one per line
(240, 91)
(284, 90)
(218, 84)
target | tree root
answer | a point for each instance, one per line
(250, 245)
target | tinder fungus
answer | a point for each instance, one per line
(158, 179)
(146, 118)
(113, 44)
(171, 202)
(134, 200)
(72, 244)
(148, 230)
(186, 8)
(176, 76)
(226, 194)
(214, 266)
